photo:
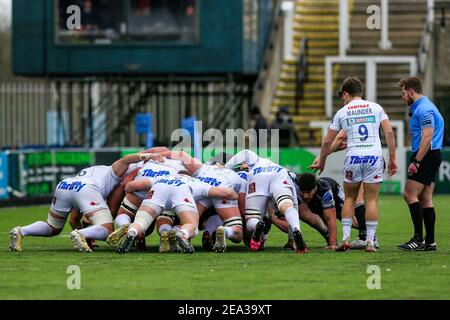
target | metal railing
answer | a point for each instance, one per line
(301, 74)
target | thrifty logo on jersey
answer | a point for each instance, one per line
(76, 186)
(360, 120)
(267, 169)
(365, 159)
(243, 175)
(211, 181)
(359, 112)
(154, 174)
(174, 182)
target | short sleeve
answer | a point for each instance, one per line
(384, 115)
(328, 200)
(335, 123)
(427, 120)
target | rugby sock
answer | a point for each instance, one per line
(346, 228)
(164, 227)
(212, 224)
(96, 232)
(229, 233)
(291, 215)
(371, 229)
(132, 232)
(429, 219)
(417, 218)
(122, 219)
(290, 233)
(37, 229)
(251, 224)
(186, 233)
(360, 214)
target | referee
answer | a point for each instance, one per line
(427, 133)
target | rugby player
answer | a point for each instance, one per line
(151, 171)
(228, 210)
(179, 193)
(364, 164)
(87, 192)
(267, 180)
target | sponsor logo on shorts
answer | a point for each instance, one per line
(349, 175)
(150, 195)
(364, 159)
(252, 188)
(75, 186)
(93, 203)
(187, 200)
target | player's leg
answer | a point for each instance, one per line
(56, 219)
(54, 225)
(360, 214)
(348, 211)
(254, 225)
(371, 192)
(232, 226)
(286, 202)
(313, 220)
(411, 195)
(127, 212)
(164, 224)
(145, 216)
(429, 216)
(189, 227)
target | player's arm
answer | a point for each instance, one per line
(191, 164)
(117, 195)
(339, 143)
(138, 185)
(325, 150)
(245, 156)
(156, 150)
(390, 140)
(281, 224)
(330, 218)
(120, 167)
(427, 125)
(222, 193)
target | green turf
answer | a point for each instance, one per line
(39, 272)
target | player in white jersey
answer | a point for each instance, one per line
(267, 180)
(150, 171)
(228, 210)
(179, 193)
(87, 192)
(364, 164)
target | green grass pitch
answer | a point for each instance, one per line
(40, 271)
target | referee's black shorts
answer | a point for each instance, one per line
(428, 168)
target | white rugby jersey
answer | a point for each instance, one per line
(154, 170)
(361, 120)
(101, 176)
(221, 177)
(199, 189)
